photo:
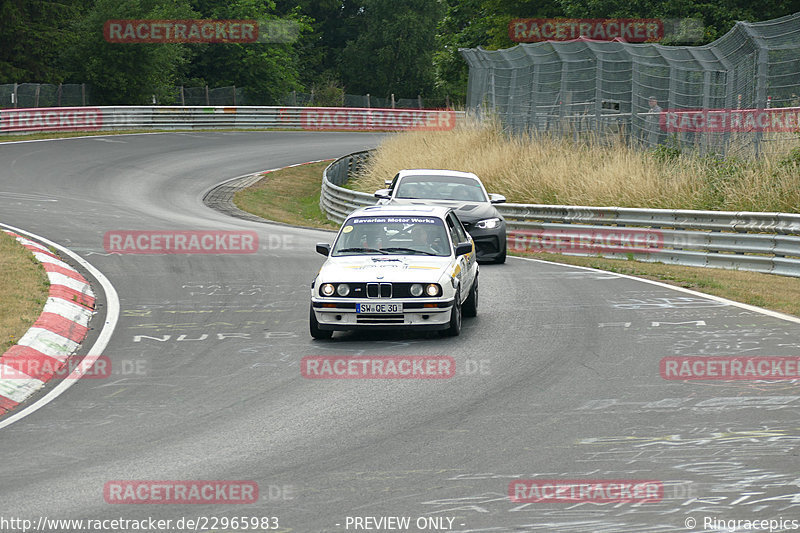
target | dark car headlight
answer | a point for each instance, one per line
(488, 223)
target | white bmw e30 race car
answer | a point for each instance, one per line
(396, 267)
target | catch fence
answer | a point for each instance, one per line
(604, 88)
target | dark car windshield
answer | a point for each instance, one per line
(399, 235)
(441, 188)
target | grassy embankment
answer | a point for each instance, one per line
(23, 290)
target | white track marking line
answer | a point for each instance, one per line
(112, 316)
(774, 314)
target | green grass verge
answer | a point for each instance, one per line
(23, 290)
(290, 196)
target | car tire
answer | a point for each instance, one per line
(314, 327)
(455, 319)
(470, 308)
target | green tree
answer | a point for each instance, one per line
(127, 73)
(393, 50)
(319, 51)
(267, 70)
(33, 33)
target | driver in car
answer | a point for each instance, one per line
(424, 238)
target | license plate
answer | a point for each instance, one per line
(379, 308)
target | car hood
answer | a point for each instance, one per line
(469, 212)
(387, 268)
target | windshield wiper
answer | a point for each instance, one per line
(412, 250)
(346, 250)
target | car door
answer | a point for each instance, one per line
(467, 262)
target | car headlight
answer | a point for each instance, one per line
(432, 289)
(489, 223)
(327, 289)
(343, 289)
(416, 289)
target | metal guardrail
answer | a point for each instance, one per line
(760, 242)
(179, 118)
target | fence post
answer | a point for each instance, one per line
(83, 94)
(183, 99)
(312, 97)
(392, 100)
(36, 95)
(234, 96)
(368, 100)
(294, 98)
(598, 97)
(58, 95)
(207, 100)
(762, 65)
(14, 96)
(419, 101)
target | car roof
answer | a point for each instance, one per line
(402, 210)
(435, 172)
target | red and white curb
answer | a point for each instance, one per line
(56, 334)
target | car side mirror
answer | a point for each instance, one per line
(323, 248)
(497, 198)
(383, 194)
(463, 248)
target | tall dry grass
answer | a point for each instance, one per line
(547, 170)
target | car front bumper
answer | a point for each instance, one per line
(344, 317)
(489, 243)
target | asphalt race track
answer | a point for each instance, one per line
(557, 377)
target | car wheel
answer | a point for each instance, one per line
(471, 303)
(314, 327)
(455, 319)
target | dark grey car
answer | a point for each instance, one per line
(462, 191)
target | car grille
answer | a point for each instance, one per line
(379, 319)
(379, 290)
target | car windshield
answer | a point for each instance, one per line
(395, 235)
(441, 188)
